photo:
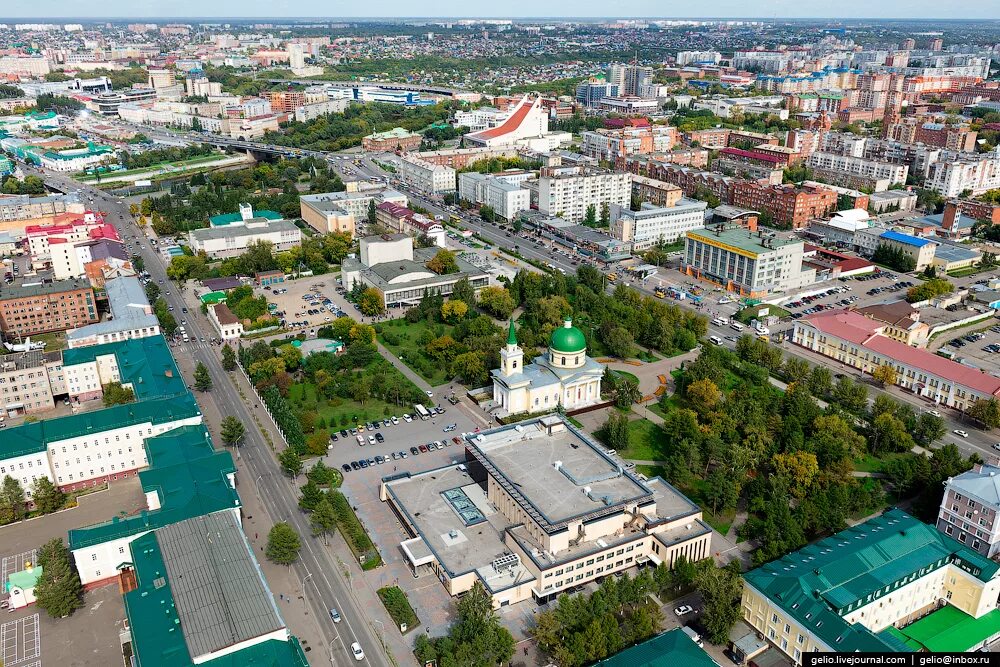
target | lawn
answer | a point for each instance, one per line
(647, 441)
(869, 463)
(181, 165)
(398, 606)
(404, 343)
(751, 312)
(339, 413)
(54, 341)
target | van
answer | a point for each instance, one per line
(762, 330)
(720, 321)
(736, 326)
(715, 340)
(361, 440)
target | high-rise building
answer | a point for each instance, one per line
(936, 44)
(569, 191)
(296, 56)
(908, 44)
(161, 78)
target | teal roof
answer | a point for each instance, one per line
(670, 649)
(144, 363)
(229, 218)
(568, 338)
(189, 476)
(951, 630)
(157, 636)
(24, 579)
(846, 571)
(35, 436)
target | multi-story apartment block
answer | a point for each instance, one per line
(970, 509)
(751, 263)
(653, 191)
(425, 176)
(35, 308)
(975, 173)
(401, 219)
(531, 522)
(653, 224)
(920, 130)
(612, 145)
(857, 172)
(569, 191)
(868, 587)
(501, 192)
(788, 205)
(698, 57)
(29, 381)
(857, 341)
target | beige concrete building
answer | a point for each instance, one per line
(29, 380)
(537, 508)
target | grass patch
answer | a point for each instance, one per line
(403, 340)
(155, 169)
(354, 533)
(54, 341)
(969, 271)
(751, 312)
(339, 413)
(646, 441)
(396, 603)
(869, 463)
(626, 374)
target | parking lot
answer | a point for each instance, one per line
(15, 563)
(978, 345)
(304, 303)
(20, 641)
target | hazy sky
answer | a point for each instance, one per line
(953, 9)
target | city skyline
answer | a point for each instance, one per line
(588, 9)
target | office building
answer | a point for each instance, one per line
(787, 205)
(890, 584)
(920, 249)
(567, 192)
(427, 177)
(35, 308)
(901, 320)
(396, 139)
(143, 365)
(231, 234)
(29, 381)
(399, 271)
(131, 316)
(652, 224)
(401, 219)
(970, 509)
(751, 263)
(859, 342)
(589, 93)
(342, 212)
(535, 509)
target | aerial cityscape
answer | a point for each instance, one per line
(469, 341)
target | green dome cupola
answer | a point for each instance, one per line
(567, 339)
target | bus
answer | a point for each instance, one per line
(422, 411)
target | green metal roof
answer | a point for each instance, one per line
(568, 338)
(951, 630)
(834, 576)
(157, 637)
(24, 579)
(189, 476)
(229, 218)
(213, 297)
(901, 642)
(670, 649)
(144, 363)
(34, 437)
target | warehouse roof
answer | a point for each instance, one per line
(906, 239)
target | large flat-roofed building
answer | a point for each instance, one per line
(143, 365)
(502, 192)
(859, 342)
(655, 224)
(36, 209)
(196, 595)
(399, 271)
(569, 191)
(35, 308)
(344, 211)
(29, 381)
(527, 120)
(865, 588)
(392, 140)
(920, 249)
(230, 236)
(535, 509)
(427, 177)
(752, 263)
(131, 316)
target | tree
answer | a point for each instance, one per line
(888, 434)
(452, 311)
(138, 262)
(291, 462)
(928, 428)
(590, 217)
(283, 544)
(116, 394)
(884, 375)
(202, 380)
(620, 342)
(929, 289)
(850, 395)
(323, 519)
(820, 381)
(616, 430)
(228, 358)
(311, 496)
(986, 411)
(372, 210)
(470, 368)
(12, 503)
(46, 496)
(605, 214)
(703, 396)
(370, 303)
(721, 589)
(721, 490)
(232, 431)
(443, 263)
(800, 468)
(627, 393)
(58, 591)
(497, 301)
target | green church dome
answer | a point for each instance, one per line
(568, 339)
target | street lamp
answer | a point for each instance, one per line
(302, 584)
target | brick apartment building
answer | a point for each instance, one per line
(286, 101)
(788, 206)
(971, 208)
(924, 130)
(26, 310)
(694, 182)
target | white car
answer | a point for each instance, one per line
(934, 413)
(359, 655)
(960, 432)
(683, 609)
(371, 440)
(407, 418)
(431, 395)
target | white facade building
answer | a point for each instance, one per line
(977, 173)
(855, 166)
(426, 176)
(501, 193)
(568, 191)
(653, 224)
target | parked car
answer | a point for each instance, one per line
(961, 433)
(346, 467)
(683, 609)
(414, 451)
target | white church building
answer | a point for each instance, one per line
(564, 376)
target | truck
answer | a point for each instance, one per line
(422, 411)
